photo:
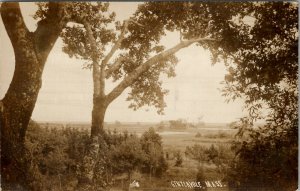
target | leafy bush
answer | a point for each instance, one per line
(268, 158)
(54, 155)
(127, 156)
(155, 163)
(200, 177)
(197, 152)
(178, 159)
(221, 156)
(220, 135)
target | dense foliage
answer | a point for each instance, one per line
(221, 156)
(124, 49)
(55, 157)
(155, 163)
(136, 40)
(264, 72)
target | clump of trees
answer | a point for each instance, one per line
(55, 159)
(178, 124)
(221, 155)
(53, 156)
(219, 135)
(155, 163)
(214, 161)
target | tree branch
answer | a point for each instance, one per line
(139, 24)
(116, 65)
(235, 59)
(117, 44)
(133, 76)
(92, 41)
(14, 24)
(98, 72)
(49, 29)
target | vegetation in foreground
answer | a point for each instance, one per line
(55, 160)
(55, 157)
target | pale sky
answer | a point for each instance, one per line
(66, 93)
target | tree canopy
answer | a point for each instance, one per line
(133, 47)
(265, 73)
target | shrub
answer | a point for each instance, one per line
(178, 159)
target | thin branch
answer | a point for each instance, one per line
(139, 24)
(209, 27)
(117, 44)
(119, 41)
(91, 40)
(116, 65)
(98, 77)
(235, 59)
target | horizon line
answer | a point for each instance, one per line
(88, 122)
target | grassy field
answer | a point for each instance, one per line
(172, 139)
(179, 139)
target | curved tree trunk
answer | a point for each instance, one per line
(31, 51)
(18, 105)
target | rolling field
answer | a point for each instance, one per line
(179, 139)
(172, 139)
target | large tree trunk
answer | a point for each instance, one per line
(98, 114)
(18, 105)
(31, 52)
(92, 171)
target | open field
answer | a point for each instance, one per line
(208, 134)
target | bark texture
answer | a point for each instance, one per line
(90, 175)
(31, 50)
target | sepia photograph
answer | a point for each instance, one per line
(149, 96)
